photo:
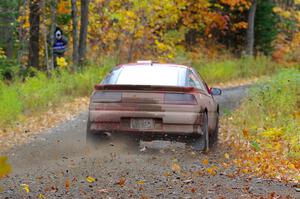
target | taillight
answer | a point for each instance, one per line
(177, 98)
(104, 96)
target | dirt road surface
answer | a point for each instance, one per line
(58, 164)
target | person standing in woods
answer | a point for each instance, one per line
(59, 45)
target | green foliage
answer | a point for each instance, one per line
(272, 110)
(265, 26)
(39, 93)
(10, 104)
(8, 68)
(223, 71)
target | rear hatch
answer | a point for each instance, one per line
(139, 94)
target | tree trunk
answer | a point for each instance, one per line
(250, 30)
(22, 34)
(53, 25)
(75, 33)
(34, 37)
(83, 30)
(44, 32)
(9, 38)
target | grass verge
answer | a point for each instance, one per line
(39, 93)
(265, 130)
(235, 69)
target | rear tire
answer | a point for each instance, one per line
(202, 143)
(215, 134)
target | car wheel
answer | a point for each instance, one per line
(215, 134)
(202, 143)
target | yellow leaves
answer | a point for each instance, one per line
(277, 9)
(205, 162)
(237, 4)
(161, 46)
(24, 21)
(286, 14)
(5, 168)
(140, 182)
(240, 25)
(281, 12)
(175, 166)
(291, 166)
(64, 7)
(272, 134)
(296, 44)
(226, 155)
(24, 187)
(212, 170)
(2, 54)
(90, 179)
(269, 161)
(61, 62)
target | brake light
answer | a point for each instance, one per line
(177, 98)
(104, 96)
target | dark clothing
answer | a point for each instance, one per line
(60, 46)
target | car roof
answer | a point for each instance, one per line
(154, 64)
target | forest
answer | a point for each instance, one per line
(129, 30)
(52, 53)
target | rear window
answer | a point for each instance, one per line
(148, 75)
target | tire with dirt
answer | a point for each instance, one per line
(215, 134)
(201, 143)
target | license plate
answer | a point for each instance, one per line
(141, 124)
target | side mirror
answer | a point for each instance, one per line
(215, 91)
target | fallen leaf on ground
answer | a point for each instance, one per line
(5, 168)
(140, 182)
(211, 171)
(121, 181)
(90, 179)
(226, 155)
(67, 185)
(246, 132)
(175, 167)
(205, 161)
(24, 187)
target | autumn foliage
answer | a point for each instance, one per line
(265, 131)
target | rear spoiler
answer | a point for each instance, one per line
(99, 87)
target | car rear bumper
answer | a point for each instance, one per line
(165, 123)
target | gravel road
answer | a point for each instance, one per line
(57, 163)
